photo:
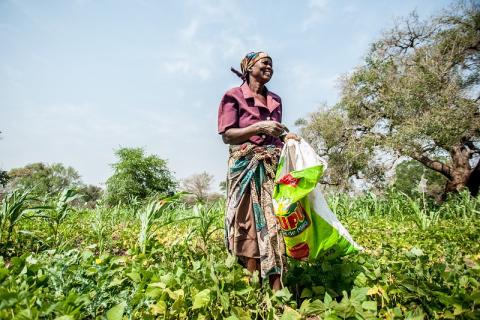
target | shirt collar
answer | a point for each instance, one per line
(272, 103)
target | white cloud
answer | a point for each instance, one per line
(196, 53)
(190, 31)
(317, 9)
(185, 66)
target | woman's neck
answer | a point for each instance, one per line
(256, 87)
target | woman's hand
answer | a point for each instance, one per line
(270, 127)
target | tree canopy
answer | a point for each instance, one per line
(43, 179)
(138, 176)
(198, 185)
(416, 95)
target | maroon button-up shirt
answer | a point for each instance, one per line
(240, 109)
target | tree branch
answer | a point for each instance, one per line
(433, 164)
(328, 183)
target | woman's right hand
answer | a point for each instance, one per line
(270, 127)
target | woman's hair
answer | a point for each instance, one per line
(239, 74)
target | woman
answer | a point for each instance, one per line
(249, 120)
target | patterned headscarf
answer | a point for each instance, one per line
(247, 62)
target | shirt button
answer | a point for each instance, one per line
(263, 136)
(268, 118)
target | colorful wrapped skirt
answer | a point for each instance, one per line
(251, 229)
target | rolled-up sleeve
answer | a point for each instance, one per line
(227, 114)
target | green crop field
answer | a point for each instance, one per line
(387, 95)
(166, 260)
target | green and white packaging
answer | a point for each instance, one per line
(310, 229)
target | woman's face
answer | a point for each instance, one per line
(262, 70)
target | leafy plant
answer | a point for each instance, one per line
(57, 211)
(14, 207)
(207, 218)
(150, 217)
(423, 217)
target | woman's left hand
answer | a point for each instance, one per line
(293, 136)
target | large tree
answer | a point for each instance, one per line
(198, 185)
(138, 176)
(43, 179)
(416, 95)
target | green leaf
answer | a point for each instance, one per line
(116, 282)
(327, 299)
(315, 307)
(241, 314)
(159, 308)
(244, 291)
(201, 299)
(360, 280)
(230, 261)
(370, 305)
(306, 293)
(135, 276)
(283, 294)
(415, 252)
(116, 312)
(175, 295)
(290, 314)
(153, 292)
(318, 290)
(359, 294)
(331, 316)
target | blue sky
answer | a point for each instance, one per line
(79, 79)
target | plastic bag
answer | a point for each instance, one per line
(310, 229)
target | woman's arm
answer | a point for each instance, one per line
(240, 135)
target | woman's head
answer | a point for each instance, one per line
(257, 65)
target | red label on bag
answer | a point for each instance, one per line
(299, 251)
(288, 179)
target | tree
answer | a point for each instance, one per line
(198, 185)
(223, 186)
(43, 179)
(90, 195)
(138, 176)
(3, 178)
(416, 96)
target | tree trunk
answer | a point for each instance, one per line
(460, 170)
(459, 173)
(474, 180)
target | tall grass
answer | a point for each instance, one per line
(25, 225)
(422, 211)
